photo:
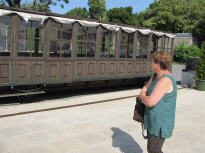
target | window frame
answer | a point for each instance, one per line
(60, 42)
(110, 36)
(7, 37)
(86, 41)
(142, 47)
(126, 44)
(30, 39)
(167, 45)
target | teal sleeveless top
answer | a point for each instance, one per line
(161, 116)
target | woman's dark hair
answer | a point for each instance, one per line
(162, 58)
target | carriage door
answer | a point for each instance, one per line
(5, 50)
(29, 55)
(59, 63)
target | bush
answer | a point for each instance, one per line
(182, 52)
(201, 70)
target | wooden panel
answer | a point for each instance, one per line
(66, 71)
(145, 67)
(5, 71)
(80, 68)
(90, 69)
(52, 71)
(130, 68)
(150, 67)
(37, 71)
(111, 68)
(102, 69)
(22, 72)
(122, 68)
(138, 67)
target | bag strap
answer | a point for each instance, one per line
(142, 124)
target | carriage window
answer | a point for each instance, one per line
(5, 31)
(139, 44)
(107, 46)
(126, 45)
(82, 40)
(30, 39)
(159, 44)
(130, 45)
(123, 44)
(55, 39)
(86, 42)
(154, 44)
(66, 40)
(167, 45)
(145, 42)
(142, 46)
(60, 40)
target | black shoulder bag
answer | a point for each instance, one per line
(139, 114)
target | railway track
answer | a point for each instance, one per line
(68, 106)
(63, 107)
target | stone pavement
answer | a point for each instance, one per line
(99, 128)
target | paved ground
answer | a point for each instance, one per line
(99, 128)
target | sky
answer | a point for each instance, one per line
(137, 5)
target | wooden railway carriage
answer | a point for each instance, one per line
(43, 48)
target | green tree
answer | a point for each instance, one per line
(174, 15)
(122, 15)
(35, 4)
(199, 30)
(78, 12)
(140, 18)
(97, 9)
(201, 70)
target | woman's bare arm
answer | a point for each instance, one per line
(163, 86)
(146, 86)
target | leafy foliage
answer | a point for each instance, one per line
(199, 30)
(122, 15)
(174, 15)
(97, 9)
(201, 70)
(36, 4)
(182, 52)
(78, 12)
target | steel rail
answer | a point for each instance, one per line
(63, 107)
(67, 106)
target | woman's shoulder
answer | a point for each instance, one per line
(167, 82)
(165, 79)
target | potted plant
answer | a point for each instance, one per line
(201, 70)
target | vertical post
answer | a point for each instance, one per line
(74, 47)
(162, 45)
(98, 39)
(13, 35)
(74, 40)
(46, 47)
(149, 46)
(172, 51)
(135, 45)
(172, 47)
(15, 23)
(118, 44)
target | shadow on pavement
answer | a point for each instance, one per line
(124, 141)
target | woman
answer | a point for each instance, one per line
(159, 96)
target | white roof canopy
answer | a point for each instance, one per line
(42, 18)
